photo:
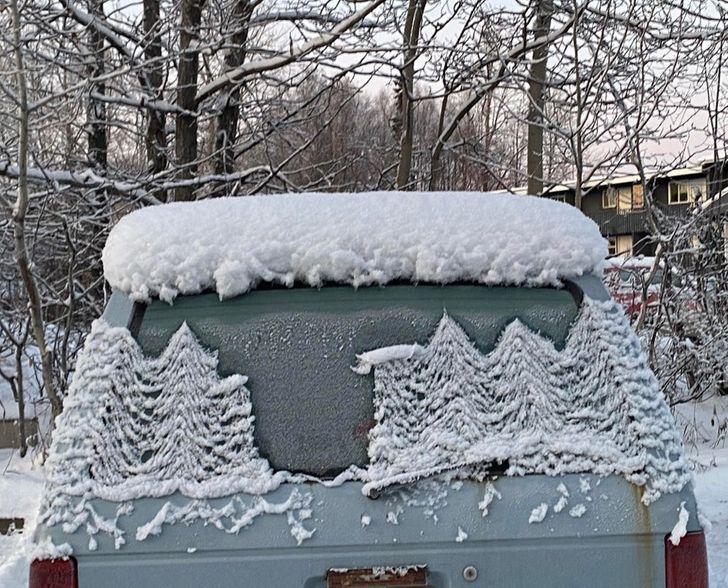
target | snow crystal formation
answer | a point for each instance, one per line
(592, 407)
(139, 426)
(231, 244)
(135, 426)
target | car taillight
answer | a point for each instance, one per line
(686, 564)
(53, 573)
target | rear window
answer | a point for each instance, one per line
(297, 346)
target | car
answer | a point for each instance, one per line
(382, 389)
(625, 280)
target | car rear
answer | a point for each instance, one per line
(313, 416)
(387, 389)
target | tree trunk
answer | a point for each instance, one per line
(227, 120)
(19, 214)
(435, 163)
(18, 386)
(96, 111)
(156, 138)
(412, 28)
(537, 80)
(186, 124)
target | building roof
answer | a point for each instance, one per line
(621, 180)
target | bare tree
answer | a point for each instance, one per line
(156, 132)
(127, 108)
(537, 80)
(19, 216)
(411, 36)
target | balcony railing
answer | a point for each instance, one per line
(620, 222)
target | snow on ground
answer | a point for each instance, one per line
(21, 482)
(706, 432)
(712, 492)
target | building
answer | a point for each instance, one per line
(617, 204)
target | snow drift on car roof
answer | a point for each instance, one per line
(231, 244)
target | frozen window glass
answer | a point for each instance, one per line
(297, 346)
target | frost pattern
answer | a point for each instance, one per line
(592, 407)
(233, 516)
(563, 501)
(489, 494)
(137, 426)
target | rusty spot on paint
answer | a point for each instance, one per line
(643, 536)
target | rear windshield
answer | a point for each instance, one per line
(297, 346)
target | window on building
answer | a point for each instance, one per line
(612, 247)
(623, 197)
(620, 245)
(624, 244)
(609, 198)
(685, 192)
(638, 196)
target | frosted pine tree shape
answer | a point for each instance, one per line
(592, 407)
(203, 424)
(137, 426)
(426, 416)
(119, 421)
(107, 367)
(522, 366)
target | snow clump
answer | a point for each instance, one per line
(231, 244)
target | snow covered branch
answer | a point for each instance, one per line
(295, 54)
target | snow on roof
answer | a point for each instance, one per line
(638, 262)
(621, 179)
(231, 244)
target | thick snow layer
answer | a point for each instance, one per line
(592, 407)
(641, 262)
(231, 244)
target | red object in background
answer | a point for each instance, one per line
(686, 564)
(631, 300)
(53, 573)
(625, 285)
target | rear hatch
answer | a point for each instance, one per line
(313, 417)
